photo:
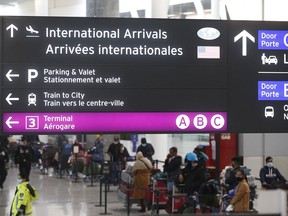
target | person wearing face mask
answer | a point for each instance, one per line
(230, 178)
(141, 172)
(24, 156)
(114, 152)
(172, 167)
(123, 155)
(24, 196)
(193, 175)
(269, 175)
(146, 149)
(241, 198)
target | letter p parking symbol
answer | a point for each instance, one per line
(32, 74)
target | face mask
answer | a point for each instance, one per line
(143, 144)
(270, 164)
(193, 164)
(19, 181)
(239, 178)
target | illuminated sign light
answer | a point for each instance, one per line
(273, 90)
(115, 122)
(272, 40)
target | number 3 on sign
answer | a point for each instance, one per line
(32, 122)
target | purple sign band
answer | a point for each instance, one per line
(114, 122)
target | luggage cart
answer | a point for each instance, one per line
(178, 197)
(157, 196)
(125, 190)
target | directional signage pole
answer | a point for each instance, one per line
(258, 77)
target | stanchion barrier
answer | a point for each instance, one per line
(157, 162)
(76, 168)
(91, 173)
(60, 170)
(105, 197)
(60, 163)
(128, 199)
(105, 172)
(100, 195)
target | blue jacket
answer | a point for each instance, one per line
(97, 151)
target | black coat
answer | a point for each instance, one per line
(3, 157)
(172, 167)
(114, 151)
(231, 180)
(24, 154)
(194, 178)
(147, 151)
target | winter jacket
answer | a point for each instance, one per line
(241, 198)
(22, 202)
(172, 167)
(231, 180)
(24, 154)
(141, 172)
(194, 177)
(97, 152)
(147, 151)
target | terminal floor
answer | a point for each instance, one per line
(60, 197)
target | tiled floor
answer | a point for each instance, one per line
(60, 197)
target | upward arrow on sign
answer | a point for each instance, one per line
(244, 35)
(12, 27)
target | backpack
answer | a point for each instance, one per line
(67, 149)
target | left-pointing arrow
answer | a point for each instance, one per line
(12, 27)
(9, 123)
(9, 75)
(9, 99)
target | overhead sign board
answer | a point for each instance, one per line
(119, 74)
(259, 80)
(142, 75)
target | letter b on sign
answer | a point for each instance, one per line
(200, 121)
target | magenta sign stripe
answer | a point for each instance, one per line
(115, 122)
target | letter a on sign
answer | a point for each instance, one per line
(182, 121)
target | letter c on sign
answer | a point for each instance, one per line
(182, 121)
(217, 121)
